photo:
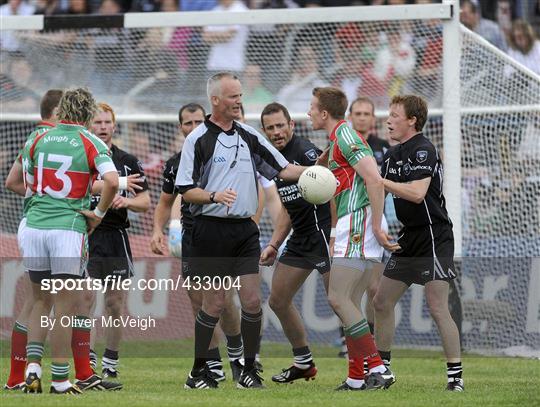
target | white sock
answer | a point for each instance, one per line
(355, 383)
(33, 368)
(378, 369)
(61, 386)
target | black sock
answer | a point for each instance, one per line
(454, 371)
(385, 356)
(213, 354)
(235, 348)
(250, 327)
(371, 327)
(341, 332)
(110, 359)
(259, 345)
(204, 329)
(302, 357)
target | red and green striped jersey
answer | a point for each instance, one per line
(61, 165)
(347, 147)
(41, 127)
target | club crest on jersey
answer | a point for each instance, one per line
(407, 169)
(356, 238)
(421, 156)
(311, 154)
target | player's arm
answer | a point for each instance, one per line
(138, 203)
(273, 203)
(291, 172)
(414, 191)
(281, 230)
(131, 183)
(162, 215)
(15, 180)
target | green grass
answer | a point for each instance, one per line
(159, 379)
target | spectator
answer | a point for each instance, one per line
(255, 96)
(50, 7)
(228, 42)
(197, 5)
(395, 60)
(9, 40)
(472, 19)
(524, 46)
(297, 94)
(145, 5)
(16, 87)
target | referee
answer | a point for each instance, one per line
(219, 164)
(413, 175)
(308, 247)
(109, 249)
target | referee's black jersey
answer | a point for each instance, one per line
(169, 176)
(214, 160)
(126, 164)
(305, 217)
(413, 160)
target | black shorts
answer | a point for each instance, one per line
(37, 276)
(186, 250)
(110, 254)
(427, 254)
(308, 251)
(224, 247)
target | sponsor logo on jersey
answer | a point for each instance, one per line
(421, 156)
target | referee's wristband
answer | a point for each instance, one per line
(99, 213)
(333, 232)
(273, 247)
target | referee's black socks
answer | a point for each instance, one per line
(204, 329)
(250, 327)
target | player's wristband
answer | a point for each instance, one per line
(99, 213)
(273, 247)
(333, 232)
(122, 183)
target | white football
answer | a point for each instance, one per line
(317, 184)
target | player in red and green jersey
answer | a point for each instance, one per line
(60, 166)
(15, 182)
(360, 235)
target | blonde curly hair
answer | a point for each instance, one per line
(77, 106)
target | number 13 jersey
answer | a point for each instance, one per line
(60, 165)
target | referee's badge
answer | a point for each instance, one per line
(421, 156)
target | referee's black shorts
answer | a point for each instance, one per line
(110, 254)
(224, 247)
(427, 254)
(308, 250)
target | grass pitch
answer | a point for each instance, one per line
(421, 378)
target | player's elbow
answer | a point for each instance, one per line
(418, 197)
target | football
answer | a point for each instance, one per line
(317, 184)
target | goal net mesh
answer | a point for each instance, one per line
(147, 74)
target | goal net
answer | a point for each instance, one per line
(154, 63)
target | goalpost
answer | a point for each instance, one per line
(484, 118)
